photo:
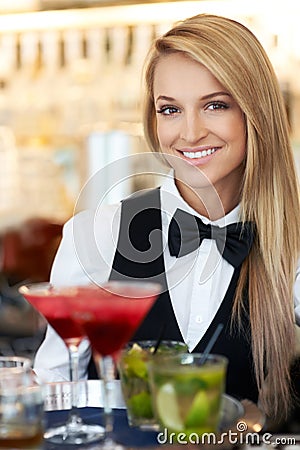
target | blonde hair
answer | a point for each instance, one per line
(269, 196)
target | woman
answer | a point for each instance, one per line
(214, 112)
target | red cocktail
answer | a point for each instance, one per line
(53, 305)
(109, 315)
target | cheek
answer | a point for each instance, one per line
(241, 142)
(235, 134)
(164, 134)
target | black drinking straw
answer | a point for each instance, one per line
(159, 339)
(211, 343)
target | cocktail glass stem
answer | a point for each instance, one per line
(107, 374)
(74, 418)
(75, 431)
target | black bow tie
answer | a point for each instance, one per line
(186, 233)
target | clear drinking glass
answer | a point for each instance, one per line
(133, 371)
(52, 304)
(187, 392)
(21, 405)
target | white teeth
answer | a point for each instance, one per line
(199, 154)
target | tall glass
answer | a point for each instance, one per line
(52, 304)
(109, 315)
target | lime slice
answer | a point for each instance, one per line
(135, 362)
(167, 407)
(199, 411)
(140, 405)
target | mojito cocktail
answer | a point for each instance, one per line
(187, 393)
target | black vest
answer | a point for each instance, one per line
(139, 256)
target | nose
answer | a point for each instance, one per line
(193, 127)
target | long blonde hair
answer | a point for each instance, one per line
(269, 197)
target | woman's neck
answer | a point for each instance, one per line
(207, 201)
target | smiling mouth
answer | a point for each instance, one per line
(200, 154)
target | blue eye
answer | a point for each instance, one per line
(167, 110)
(217, 105)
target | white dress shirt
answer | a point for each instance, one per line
(197, 282)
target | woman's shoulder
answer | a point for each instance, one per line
(90, 217)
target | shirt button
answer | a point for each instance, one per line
(199, 319)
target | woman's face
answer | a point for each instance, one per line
(200, 124)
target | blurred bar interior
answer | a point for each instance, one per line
(70, 91)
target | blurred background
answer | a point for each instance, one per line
(70, 104)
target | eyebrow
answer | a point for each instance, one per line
(205, 97)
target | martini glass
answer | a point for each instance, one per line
(109, 315)
(52, 304)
